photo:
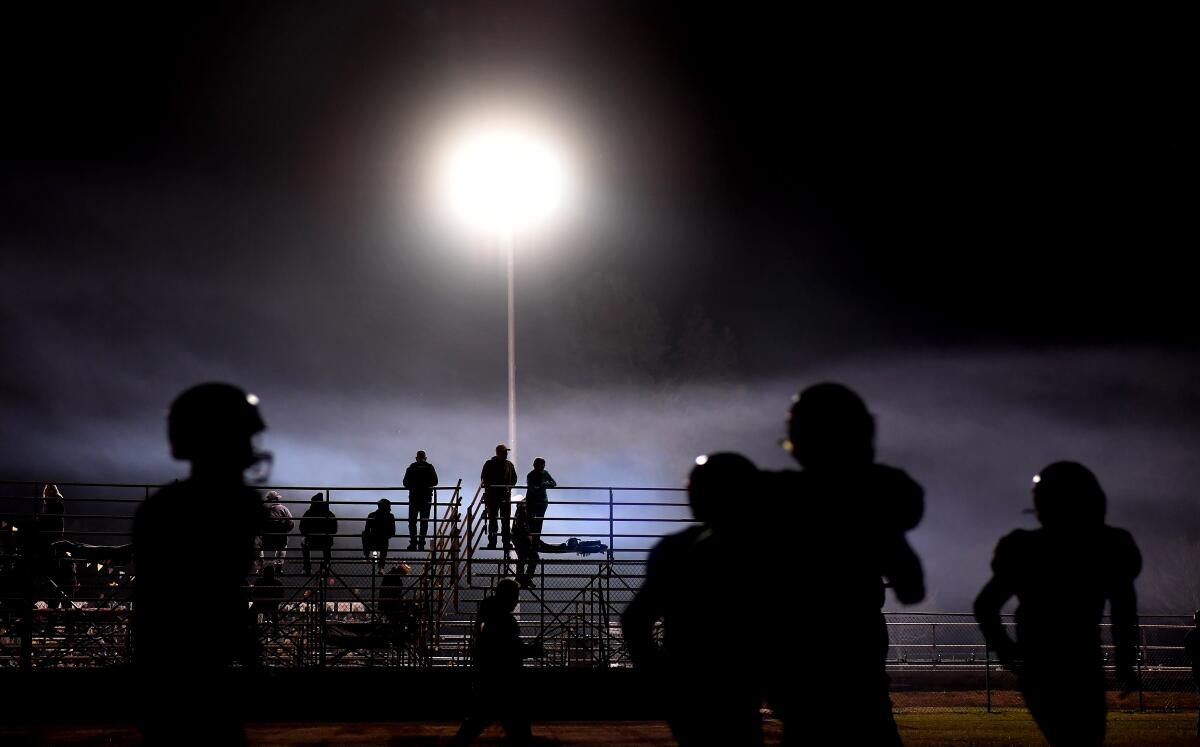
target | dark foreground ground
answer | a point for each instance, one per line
(965, 729)
(585, 707)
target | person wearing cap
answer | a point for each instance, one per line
(498, 476)
(420, 478)
(378, 530)
(275, 536)
(1062, 574)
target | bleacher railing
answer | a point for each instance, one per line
(77, 613)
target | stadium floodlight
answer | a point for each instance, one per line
(505, 174)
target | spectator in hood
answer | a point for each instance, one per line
(380, 527)
(317, 527)
(274, 539)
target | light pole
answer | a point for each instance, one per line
(507, 240)
(501, 174)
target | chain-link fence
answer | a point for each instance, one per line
(939, 660)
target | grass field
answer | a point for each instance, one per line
(973, 728)
(1015, 727)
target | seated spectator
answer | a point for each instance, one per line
(378, 530)
(318, 527)
(395, 608)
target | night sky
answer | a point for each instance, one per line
(982, 223)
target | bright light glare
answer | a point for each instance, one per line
(503, 174)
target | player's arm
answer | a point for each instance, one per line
(1123, 607)
(904, 572)
(995, 594)
(640, 617)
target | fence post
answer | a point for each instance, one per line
(455, 500)
(27, 596)
(987, 675)
(323, 596)
(1141, 654)
(611, 526)
(27, 624)
(470, 545)
(933, 658)
(605, 599)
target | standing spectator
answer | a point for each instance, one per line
(275, 537)
(317, 527)
(498, 476)
(378, 530)
(420, 478)
(537, 481)
(55, 571)
(48, 570)
(51, 523)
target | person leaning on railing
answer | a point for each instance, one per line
(538, 480)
